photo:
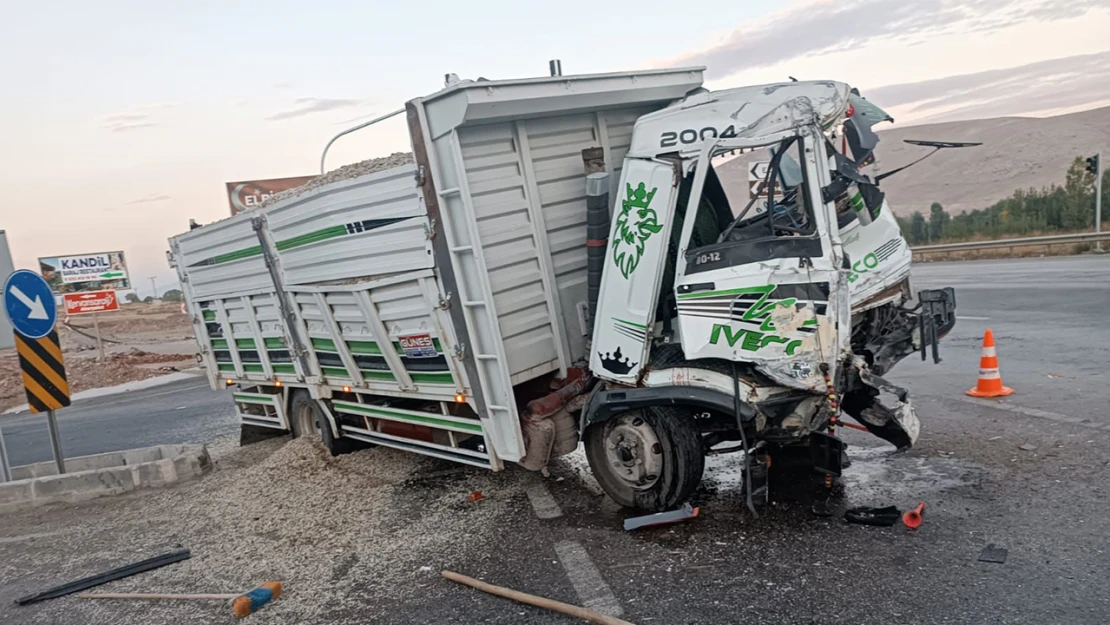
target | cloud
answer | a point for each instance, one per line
(138, 116)
(153, 197)
(826, 26)
(308, 106)
(283, 85)
(1041, 86)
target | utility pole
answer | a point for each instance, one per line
(154, 286)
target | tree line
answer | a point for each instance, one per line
(1066, 208)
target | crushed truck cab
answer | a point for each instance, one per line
(558, 262)
(758, 324)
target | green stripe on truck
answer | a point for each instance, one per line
(432, 378)
(327, 345)
(375, 411)
(254, 398)
(312, 237)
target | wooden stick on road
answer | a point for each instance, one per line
(540, 602)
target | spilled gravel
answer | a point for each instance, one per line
(346, 172)
(333, 530)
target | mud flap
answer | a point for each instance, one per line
(897, 425)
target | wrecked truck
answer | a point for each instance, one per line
(558, 263)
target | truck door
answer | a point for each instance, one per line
(634, 267)
(770, 289)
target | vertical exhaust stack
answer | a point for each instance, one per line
(597, 235)
(556, 67)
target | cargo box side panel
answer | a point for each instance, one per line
(223, 258)
(555, 147)
(367, 226)
(383, 337)
(507, 232)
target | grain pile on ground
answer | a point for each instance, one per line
(336, 531)
(346, 172)
(142, 341)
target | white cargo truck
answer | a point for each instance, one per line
(472, 303)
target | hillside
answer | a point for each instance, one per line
(1017, 152)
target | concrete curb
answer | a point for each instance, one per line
(101, 475)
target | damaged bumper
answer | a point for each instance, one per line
(895, 423)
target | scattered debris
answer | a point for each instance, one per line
(1028, 447)
(993, 553)
(882, 517)
(913, 518)
(241, 605)
(661, 518)
(994, 438)
(108, 576)
(540, 602)
(1055, 375)
(475, 496)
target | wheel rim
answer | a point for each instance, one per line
(306, 419)
(633, 451)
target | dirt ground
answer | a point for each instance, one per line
(140, 341)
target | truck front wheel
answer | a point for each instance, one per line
(650, 459)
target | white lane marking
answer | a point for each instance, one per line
(963, 318)
(593, 592)
(1030, 412)
(542, 502)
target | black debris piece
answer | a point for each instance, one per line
(993, 553)
(883, 517)
(105, 577)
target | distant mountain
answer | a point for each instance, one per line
(1017, 152)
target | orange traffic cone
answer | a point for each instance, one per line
(990, 381)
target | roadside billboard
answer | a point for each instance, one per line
(248, 194)
(86, 302)
(85, 272)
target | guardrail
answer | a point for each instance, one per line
(1056, 239)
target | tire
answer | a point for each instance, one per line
(618, 453)
(307, 419)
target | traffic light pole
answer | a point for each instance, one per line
(1098, 199)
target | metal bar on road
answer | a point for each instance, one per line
(55, 441)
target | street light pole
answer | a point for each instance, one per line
(154, 285)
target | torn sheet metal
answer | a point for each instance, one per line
(897, 424)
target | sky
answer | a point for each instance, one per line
(123, 120)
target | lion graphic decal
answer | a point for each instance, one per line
(635, 225)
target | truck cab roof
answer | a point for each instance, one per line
(746, 112)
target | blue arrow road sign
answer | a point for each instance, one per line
(29, 303)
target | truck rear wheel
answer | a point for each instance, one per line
(308, 420)
(650, 459)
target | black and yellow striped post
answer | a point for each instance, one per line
(44, 381)
(44, 372)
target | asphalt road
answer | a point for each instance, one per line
(1049, 321)
(1027, 474)
(180, 412)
